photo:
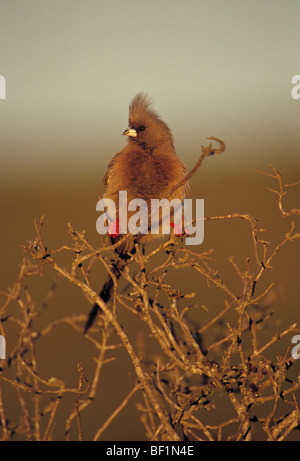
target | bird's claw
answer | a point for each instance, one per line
(113, 229)
(178, 229)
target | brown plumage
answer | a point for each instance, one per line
(146, 168)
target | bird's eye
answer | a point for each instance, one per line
(141, 128)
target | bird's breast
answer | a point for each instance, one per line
(144, 175)
(149, 176)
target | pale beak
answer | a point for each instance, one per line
(131, 132)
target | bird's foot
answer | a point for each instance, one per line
(178, 229)
(113, 229)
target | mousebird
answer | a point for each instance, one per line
(146, 168)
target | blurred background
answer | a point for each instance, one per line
(216, 68)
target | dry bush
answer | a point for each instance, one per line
(196, 368)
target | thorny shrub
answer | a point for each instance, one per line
(192, 370)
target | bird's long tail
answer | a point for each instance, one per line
(124, 253)
(105, 293)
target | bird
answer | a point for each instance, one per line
(146, 168)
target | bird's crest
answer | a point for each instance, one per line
(141, 114)
(141, 105)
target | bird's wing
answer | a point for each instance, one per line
(106, 177)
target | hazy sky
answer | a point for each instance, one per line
(213, 68)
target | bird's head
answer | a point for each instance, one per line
(145, 127)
